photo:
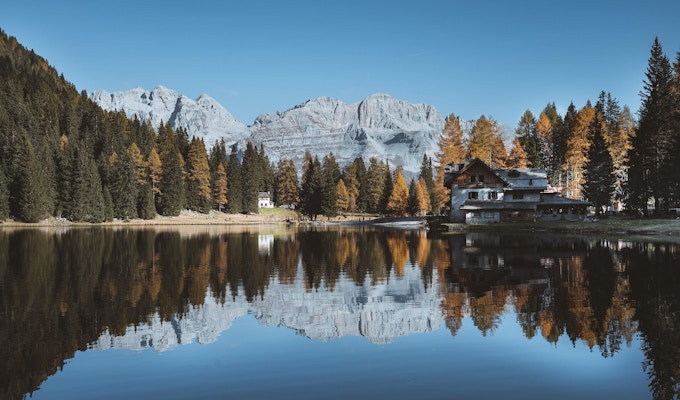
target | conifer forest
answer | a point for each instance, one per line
(62, 156)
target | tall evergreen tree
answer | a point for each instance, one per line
(528, 138)
(124, 186)
(329, 194)
(650, 155)
(172, 177)
(235, 187)
(311, 186)
(252, 178)
(599, 169)
(375, 184)
(428, 177)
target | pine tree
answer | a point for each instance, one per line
(397, 203)
(311, 186)
(170, 199)
(235, 187)
(198, 177)
(375, 184)
(599, 170)
(544, 131)
(528, 138)
(413, 207)
(124, 187)
(426, 174)
(650, 155)
(329, 195)
(252, 178)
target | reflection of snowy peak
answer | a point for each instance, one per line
(379, 312)
(203, 117)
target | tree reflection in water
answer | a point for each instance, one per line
(61, 290)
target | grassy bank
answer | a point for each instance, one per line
(666, 229)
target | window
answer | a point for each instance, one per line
(531, 182)
(473, 178)
(493, 195)
(517, 196)
(473, 195)
(481, 178)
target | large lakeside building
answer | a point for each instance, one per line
(481, 195)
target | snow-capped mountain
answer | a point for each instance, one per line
(203, 117)
(379, 126)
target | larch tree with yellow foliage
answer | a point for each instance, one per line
(422, 196)
(518, 156)
(342, 196)
(451, 150)
(397, 203)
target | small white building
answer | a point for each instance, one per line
(264, 200)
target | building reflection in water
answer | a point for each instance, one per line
(136, 289)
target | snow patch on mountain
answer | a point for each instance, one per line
(203, 117)
(379, 126)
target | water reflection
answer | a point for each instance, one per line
(79, 289)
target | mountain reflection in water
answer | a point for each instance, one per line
(79, 289)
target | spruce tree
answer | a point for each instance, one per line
(170, 199)
(528, 138)
(375, 185)
(599, 170)
(311, 186)
(124, 187)
(650, 155)
(235, 187)
(329, 194)
(252, 178)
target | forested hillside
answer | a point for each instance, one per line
(62, 156)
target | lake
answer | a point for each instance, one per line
(278, 312)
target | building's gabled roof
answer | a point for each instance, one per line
(453, 170)
(524, 178)
(552, 200)
(263, 195)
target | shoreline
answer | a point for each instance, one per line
(666, 229)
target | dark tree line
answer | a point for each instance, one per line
(61, 155)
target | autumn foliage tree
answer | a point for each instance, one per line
(397, 203)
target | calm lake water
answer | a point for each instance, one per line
(337, 313)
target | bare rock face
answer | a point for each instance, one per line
(379, 126)
(203, 117)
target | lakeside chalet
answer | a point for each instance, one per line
(482, 195)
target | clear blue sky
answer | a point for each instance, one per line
(470, 58)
